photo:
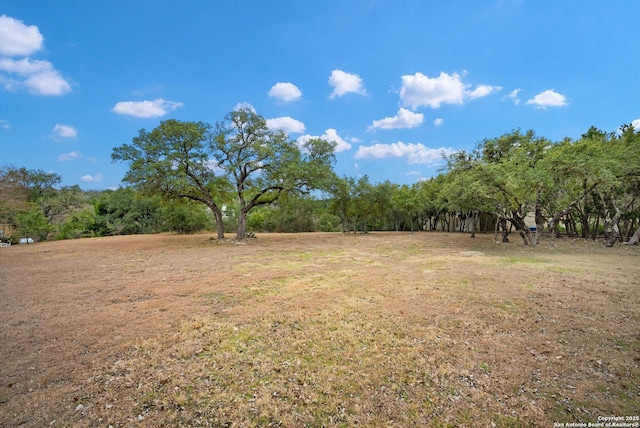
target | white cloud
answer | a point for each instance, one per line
(47, 83)
(330, 135)
(64, 131)
(5, 124)
(286, 124)
(513, 95)
(92, 178)
(244, 105)
(146, 109)
(548, 98)
(438, 121)
(285, 91)
(482, 91)
(344, 83)
(420, 90)
(24, 66)
(69, 156)
(403, 119)
(414, 153)
(16, 38)
(39, 77)
(636, 125)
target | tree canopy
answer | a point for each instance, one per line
(243, 157)
(242, 176)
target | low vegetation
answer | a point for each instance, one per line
(322, 329)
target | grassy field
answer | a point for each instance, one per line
(423, 329)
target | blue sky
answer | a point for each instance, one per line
(394, 83)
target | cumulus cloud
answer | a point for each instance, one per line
(414, 153)
(69, 156)
(403, 119)
(285, 91)
(330, 135)
(92, 178)
(548, 98)
(344, 83)
(16, 38)
(636, 124)
(286, 124)
(438, 121)
(244, 105)
(146, 109)
(38, 77)
(420, 90)
(64, 131)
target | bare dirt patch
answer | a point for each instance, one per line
(317, 330)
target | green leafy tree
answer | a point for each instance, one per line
(364, 204)
(125, 211)
(263, 165)
(175, 161)
(573, 170)
(33, 224)
(77, 225)
(25, 198)
(185, 160)
(501, 177)
(342, 204)
(184, 217)
(14, 196)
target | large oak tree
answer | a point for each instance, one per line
(241, 157)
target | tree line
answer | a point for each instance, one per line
(241, 176)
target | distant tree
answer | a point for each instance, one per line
(14, 195)
(77, 225)
(125, 211)
(33, 224)
(501, 177)
(342, 204)
(184, 217)
(25, 196)
(620, 196)
(264, 165)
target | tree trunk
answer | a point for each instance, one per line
(217, 213)
(505, 232)
(474, 220)
(611, 230)
(242, 225)
(553, 222)
(594, 232)
(539, 219)
(521, 227)
(584, 225)
(635, 238)
(570, 225)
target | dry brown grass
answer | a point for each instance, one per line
(425, 329)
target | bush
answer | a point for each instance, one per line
(186, 218)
